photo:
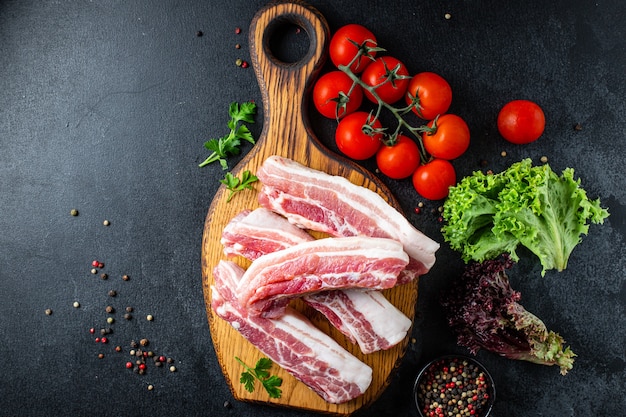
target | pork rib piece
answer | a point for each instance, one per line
(254, 233)
(318, 201)
(292, 342)
(366, 317)
(323, 264)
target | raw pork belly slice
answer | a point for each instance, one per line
(323, 264)
(318, 201)
(292, 342)
(254, 233)
(366, 317)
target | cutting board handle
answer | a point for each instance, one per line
(284, 86)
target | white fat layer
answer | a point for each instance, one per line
(326, 349)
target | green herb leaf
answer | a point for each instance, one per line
(247, 379)
(261, 373)
(235, 184)
(229, 144)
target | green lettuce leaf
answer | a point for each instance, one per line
(490, 214)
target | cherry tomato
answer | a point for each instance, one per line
(342, 51)
(433, 180)
(388, 74)
(450, 139)
(399, 160)
(521, 121)
(352, 141)
(432, 93)
(330, 95)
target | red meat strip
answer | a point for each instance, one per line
(323, 264)
(366, 317)
(318, 201)
(292, 342)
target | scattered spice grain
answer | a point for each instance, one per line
(76, 304)
(125, 277)
(106, 223)
(48, 312)
(74, 212)
(109, 309)
(150, 317)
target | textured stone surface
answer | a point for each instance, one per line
(104, 107)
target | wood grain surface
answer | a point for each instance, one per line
(286, 132)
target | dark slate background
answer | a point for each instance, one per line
(104, 107)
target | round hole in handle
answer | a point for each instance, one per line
(289, 40)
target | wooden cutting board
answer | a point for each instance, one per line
(285, 88)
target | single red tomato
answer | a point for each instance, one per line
(342, 48)
(431, 94)
(398, 161)
(450, 138)
(352, 141)
(330, 95)
(389, 76)
(521, 121)
(433, 180)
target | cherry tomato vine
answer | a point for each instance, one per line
(385, 81)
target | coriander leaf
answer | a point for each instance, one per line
(247, 379)
(242, 113)
(271, 385)
(229, 144)
(235, 184)
(261, 373)
(244, 133)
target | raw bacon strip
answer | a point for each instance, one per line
(323, 264)
(318, 201)
(292, 342)
(254, 233)
(366, 317)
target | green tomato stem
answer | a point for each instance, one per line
(397, 112)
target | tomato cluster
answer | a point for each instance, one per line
(423, 152)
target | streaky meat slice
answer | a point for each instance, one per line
(323, 264)
(318, 201)
(366, 317)
(253, 233)
(292, 342)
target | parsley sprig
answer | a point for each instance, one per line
(235, 184)
(229, 144)
(261, 373)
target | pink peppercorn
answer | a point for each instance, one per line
(129, 365)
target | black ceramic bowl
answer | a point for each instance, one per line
(454, 383)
